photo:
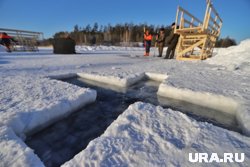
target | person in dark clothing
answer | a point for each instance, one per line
(161, 41)
(171, 41)
(147, 42)
(5, 40)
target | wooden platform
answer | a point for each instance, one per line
(197, 39)
(26, 40)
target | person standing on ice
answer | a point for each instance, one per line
(171, 41)
(161, 41)
(147, 42)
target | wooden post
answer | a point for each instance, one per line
(176, 19)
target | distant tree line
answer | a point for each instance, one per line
(119, 34)
(225, 42)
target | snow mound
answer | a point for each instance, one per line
(233, 58)
(146, 135)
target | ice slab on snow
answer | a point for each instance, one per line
(14, 151)
(239, 108)
(205, 99)
(121, 81)
(218, 91)
(29, 102)
(146, 135)
(156, 76)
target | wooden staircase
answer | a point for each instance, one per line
(197, 38)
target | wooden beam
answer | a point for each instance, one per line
(22, 31)
(189, 58)
(191, 47)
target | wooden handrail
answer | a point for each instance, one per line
(213, 9)
(22, 31)
(206, 23)
(190, 15)
(24, 35)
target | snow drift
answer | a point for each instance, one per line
(233, 58)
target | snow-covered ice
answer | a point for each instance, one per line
(146, 135)
(14, 151)
(30, 100)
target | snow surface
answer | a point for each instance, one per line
(146, 135)
(27, 103)
(14, 151)
(29, 100)
(2, 48)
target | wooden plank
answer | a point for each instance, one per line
(191, 30)
(24, 31)
(191, 47)
(188, 40)
(215, 23)
(176, 19)
(191, 25)
(189, 58)
(215, 12)
(203, 35)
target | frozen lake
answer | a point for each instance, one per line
(63, 140)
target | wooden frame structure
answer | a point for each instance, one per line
(197, 38)
(26, 40)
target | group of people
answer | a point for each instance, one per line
(171, 41)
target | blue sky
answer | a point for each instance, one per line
(50, 16)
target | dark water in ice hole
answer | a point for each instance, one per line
(61, 141)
